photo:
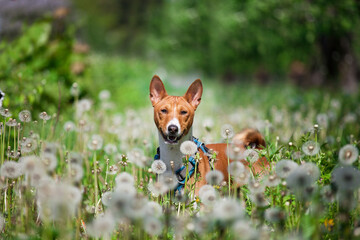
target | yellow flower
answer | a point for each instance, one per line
(197, 199)
(329, 224)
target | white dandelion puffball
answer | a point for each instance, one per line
(153, 226)
(25, 116)
(214, 177)
(348, 154)
(236, 168)
(227, 131)
(124, 178)
(188, 148)
(11, 169)
(346, 178)
(158, 167)
(228, 209)
(284, 167)
(311, 148)
(251, 155)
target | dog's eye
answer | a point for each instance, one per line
(163, 110)
(183, 112)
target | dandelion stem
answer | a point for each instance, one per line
(95, 181)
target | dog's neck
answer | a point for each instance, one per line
(171, 152)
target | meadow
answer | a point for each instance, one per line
(85, 169)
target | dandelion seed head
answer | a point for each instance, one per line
(251, 155)
(49, 161)
(214, 177)
(312, 170)
(206, 188)
(4, 111)
(11, 169)
(25, 116)
(255, 186)
(169, 179)
(157, 188)
(29, 145)
(137, 157)
(272, 180)
(44, 116)
(346, 178)
(30, 163)
(245, 230)
(104, 95)
(102, 226)
(110, 149)
(124, 178)
(106, 198)
(348, 154)
(153, 209)
(136, 207)
(322, 120)
(236, 168)
(274, 214)
(153, 226)
(75, 158)
(158, 167)
(228, 209)
(299, 179)
(95, 142)
(328, 194)
(284, 167)
(311, 148)
(243, 178)
(208, 198)
(76, 172)
(235, 151)
(227, 131)
(11, 122)
(69, 126)
(258, 198)
(188, 148)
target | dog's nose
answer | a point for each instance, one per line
(173, 129)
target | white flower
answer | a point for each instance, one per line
(95, 143)
(157, 188)
(227, 131)
(102, 226)
(124, 178)
(311, 148)
(188, 148)
(348, 154)
(284, 167)
(158, 167)
(214, 177)
(11, 169)
(25, 116)
(228, 209)
(236, 168)
(152, 226)
(251, 155)
(69, 126)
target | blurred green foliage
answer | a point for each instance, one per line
(35, 68)
(240, 36)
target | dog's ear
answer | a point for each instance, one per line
(157, 90)
(193, 94)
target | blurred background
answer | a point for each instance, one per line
(48, 45)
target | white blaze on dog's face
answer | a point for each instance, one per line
(174, 115)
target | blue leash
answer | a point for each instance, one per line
(181, 175)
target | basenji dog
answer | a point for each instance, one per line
(174, 116)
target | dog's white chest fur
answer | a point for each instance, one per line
(171, 152)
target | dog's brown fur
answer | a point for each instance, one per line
(185, 107)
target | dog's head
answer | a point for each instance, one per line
(174, 115)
